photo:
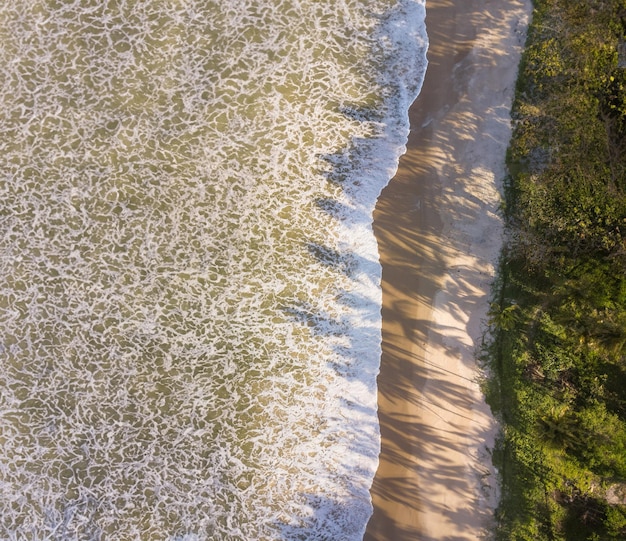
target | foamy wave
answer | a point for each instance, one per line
(189, 283)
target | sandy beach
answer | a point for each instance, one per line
(439, 234)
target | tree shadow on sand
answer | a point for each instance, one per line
(419, 224)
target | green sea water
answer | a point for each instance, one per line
(189, 286)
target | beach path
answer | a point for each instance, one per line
(439, 234)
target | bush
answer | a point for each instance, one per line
(559, 324)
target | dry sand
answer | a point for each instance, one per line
(439, 235)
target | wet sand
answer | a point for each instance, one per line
(439, 235)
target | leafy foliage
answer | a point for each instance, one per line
(559, 324)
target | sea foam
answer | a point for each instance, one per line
(190, 286)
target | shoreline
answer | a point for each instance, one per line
(439, 236)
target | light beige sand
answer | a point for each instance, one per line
(439, 237)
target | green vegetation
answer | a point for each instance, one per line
(559, 317)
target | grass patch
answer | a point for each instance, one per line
(558, 319)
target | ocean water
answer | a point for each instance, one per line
(189, 284)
